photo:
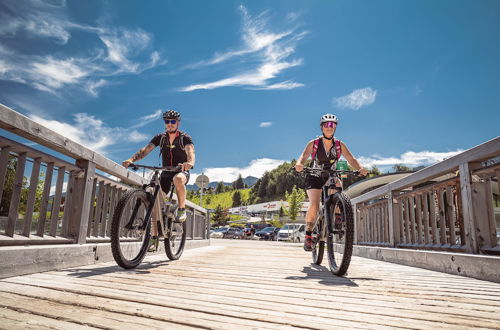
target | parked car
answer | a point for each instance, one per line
(268, 233)
(294, 232)
(239, 234)
(230, 232)
(218, 233)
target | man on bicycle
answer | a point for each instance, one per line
(176, 149)
(325, 152)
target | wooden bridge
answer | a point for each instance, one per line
(444, 219)
(235, 284)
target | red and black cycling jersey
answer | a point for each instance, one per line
(175, 153)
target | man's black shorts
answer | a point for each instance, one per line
(166, 180)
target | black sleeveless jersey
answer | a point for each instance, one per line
(175, 153)
(323, 158)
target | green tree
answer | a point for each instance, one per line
(401, 168)
(220, 188)
(276, 223)
(281, 213)
(10, 178)
(236, 198)
(219, 217)
(374, 171)
(239, 184)
(294, 199)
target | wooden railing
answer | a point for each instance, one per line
(447, 206)
(79, 208)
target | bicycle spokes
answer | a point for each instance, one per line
(340, 236)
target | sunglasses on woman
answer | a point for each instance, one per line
(329, 124)
(172, 121)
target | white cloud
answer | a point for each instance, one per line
(143, 121)
(120, 50)
(292, 16)
(91, 132)
(282, 85)
(409, 158)
(53, 188)
(265, 124)
(270, 50)
(256, 168)
(55, 73)
(357, 99)
(92, 86)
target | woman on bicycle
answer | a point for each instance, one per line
(325, 151)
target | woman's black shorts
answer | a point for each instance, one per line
(166, 180)
(315, 182)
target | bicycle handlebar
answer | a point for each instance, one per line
(326, 171)
(135, 167)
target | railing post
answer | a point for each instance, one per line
(81, 202)
(391, 212)
(471, 243)
(193, 225)
(356, 219)
(207, 219)
(394, 219)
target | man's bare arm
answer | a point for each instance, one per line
(139, 155)
(191, 158)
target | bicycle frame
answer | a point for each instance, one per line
(155, 183)
(327, 199)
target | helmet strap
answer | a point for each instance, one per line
(328, 138)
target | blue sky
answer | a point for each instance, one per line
(412, 81)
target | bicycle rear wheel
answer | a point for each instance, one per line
(129, 234)
(340, 234)
(319, 248)
(175, 240)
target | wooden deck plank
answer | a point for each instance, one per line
(13, 319)
(273, 300)
(77, 315)
(253, 284)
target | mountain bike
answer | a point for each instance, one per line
(131, 224)
(334, 225)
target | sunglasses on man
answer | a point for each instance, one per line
(329, 124)
(170, 121)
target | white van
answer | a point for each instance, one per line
(294, 232)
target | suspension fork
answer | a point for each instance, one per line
(328, 210)
(152, 202)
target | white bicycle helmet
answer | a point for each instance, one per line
(327, 118)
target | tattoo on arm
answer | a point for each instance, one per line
(190, 154)
(142, 153)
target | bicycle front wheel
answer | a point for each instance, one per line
(319, 247)
(175, 240)
(340, 234)
(129, 231)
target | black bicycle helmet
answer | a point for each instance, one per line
(171, 114)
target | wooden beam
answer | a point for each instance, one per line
(21, 125)
(391, 208)
(56, 202)
(4, 161)
(30, 205)
(16, 195)
(471, 243)
(82, 201)
(45, 200)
